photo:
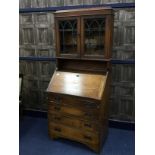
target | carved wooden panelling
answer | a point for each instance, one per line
(124, 53)
(128, 34)
(31, 99)
(25, 52)
(45, 52)
(40, 3)
(31, 69)
(22, 66)
(87, 2)
(37, 75)
(36, 33)
(42, 36)
(26, 19)
(110, 1)
(122, 109)
(123, 73)
(71, 2)
(43, 100)
(117, 35)
(41, 18)
(127, 91)
(31, 83)
(33, 3)
(129, 1)
(26, 3)
(48, 3)
(55, 2)
(20, 4)
(46, 69)
(26, 29)
(28, 35)
(116, 1)
(114, 108)
(124, 34)
(122, 92)
(44, 84)
(126, 109)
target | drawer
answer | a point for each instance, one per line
(73, 122)
(81, 112)
(73, 101)
(57, 118)
(73, 134)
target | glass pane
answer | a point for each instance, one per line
(94, 31)
(68, 36)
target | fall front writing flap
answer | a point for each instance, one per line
(78, 84)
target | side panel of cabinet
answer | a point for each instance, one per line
(67, 36)
(108, 36)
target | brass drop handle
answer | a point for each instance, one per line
(57, 129)
(58, 100)
(57, 108)
(57, 118)
(87, 137)
(51, 102)
(87, 114)
(87, 125)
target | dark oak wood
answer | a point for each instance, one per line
(80, 86)
(84, 65)
(84, 11)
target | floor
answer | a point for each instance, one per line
(34, 140)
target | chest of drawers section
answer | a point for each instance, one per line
(76, 119)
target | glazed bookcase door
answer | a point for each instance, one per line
(68, 37)
(93, 40)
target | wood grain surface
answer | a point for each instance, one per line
(77, 84)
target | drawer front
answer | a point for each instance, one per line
(73, 122)
(81, 112)
(57, 118)
(73, 101)
(74, 134)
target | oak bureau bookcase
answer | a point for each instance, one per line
(78, 92)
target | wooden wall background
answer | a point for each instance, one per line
(37, 39)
